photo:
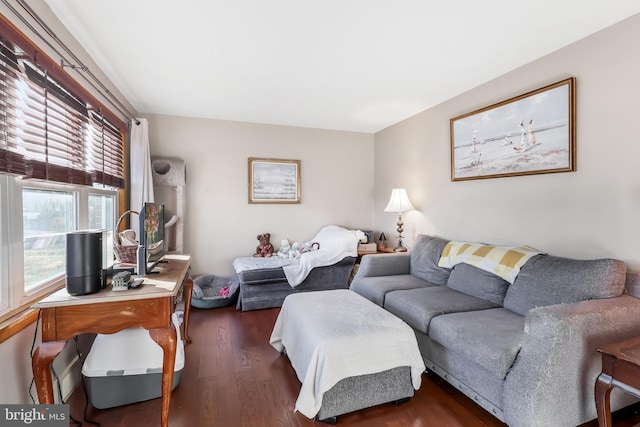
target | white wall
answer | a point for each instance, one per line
(593, 212)
(220, 224)
(17, 377)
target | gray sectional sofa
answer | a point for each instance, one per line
(525, 351)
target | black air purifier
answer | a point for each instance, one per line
(86, 256)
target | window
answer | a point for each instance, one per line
(4, 247)
(46, 218)
(61, 165)
(102, 208)
(33, 233)
(51, 128)
(50, 133)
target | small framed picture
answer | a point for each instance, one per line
(274, 181)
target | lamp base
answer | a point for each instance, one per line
(400, 249)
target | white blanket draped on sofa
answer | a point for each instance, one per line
(335, 242)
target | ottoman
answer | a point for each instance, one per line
(347, 352)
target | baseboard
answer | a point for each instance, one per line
(69, 378)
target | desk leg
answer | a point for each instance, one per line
(188, 289)
(41, 366)
(168, 340)
(603, 405)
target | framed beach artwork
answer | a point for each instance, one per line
(530, 134)
(274, 181)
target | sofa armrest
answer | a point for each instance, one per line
(384, 265)
(335, 276)
(552, 380)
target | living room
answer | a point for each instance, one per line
(557, 209)
(347, 176)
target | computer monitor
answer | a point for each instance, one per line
(152, 237)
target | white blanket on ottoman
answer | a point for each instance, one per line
(333, 335)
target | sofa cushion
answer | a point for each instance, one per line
(261, 276)
(425, 255)
(375, 288)
(491, 338)
(547, 280)
(632, 286)
(418, 306)
(476, 282)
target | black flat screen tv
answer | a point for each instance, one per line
(152, 234)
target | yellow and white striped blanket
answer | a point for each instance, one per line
(503, 261)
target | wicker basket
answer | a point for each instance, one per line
(125, 254)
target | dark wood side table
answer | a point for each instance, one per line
(378, 252)
(106, 312)
(620, 368)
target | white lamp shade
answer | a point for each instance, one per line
(399, 201)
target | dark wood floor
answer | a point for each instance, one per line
(234, 378)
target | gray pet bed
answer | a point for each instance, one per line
(206, 291)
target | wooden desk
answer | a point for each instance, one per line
(107, 312)
(620, 368)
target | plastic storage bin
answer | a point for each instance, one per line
(126, 367)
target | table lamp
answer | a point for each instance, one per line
(399, 202)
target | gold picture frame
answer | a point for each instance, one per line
(274, 181)
(530, 134)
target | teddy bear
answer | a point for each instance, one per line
(296, 250)
(265, 248)
(285, 247)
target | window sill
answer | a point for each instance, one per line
(20, 318)
(16, 323)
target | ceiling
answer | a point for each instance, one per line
(357, 65)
